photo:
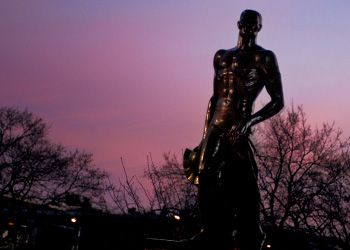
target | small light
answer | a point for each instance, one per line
(11, 223)
(177, 217)
(73, 220)
(5, 234)
(268, 246)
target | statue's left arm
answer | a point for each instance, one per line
(273, 85)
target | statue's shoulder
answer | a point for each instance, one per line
(265, 52)
(265, 55)
(218, 57)
(222, 53)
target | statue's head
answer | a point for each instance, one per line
(250, 23)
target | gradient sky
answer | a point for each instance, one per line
(126, 78)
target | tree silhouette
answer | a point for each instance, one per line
(34, 169)
(304, 175)
(167, 191)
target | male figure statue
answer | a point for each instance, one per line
(228, 191)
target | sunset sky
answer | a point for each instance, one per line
(127, 78)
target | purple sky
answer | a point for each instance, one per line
(126, 78)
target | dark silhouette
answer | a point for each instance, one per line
(304, 177)
(229, 197)
(34, 169)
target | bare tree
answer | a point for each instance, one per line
(170, 189)
(167, 189)
(126, 193)
(34, 169)
(304, 175)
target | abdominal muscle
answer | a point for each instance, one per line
(224, 115)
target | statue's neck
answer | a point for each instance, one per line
(246, 42)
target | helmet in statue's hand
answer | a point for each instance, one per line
(191, 164)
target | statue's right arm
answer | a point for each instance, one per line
(212, 102)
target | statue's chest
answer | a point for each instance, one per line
(240, 72)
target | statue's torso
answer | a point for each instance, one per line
(239, 79)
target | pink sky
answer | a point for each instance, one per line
(127, 78)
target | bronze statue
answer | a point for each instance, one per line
(227, 173)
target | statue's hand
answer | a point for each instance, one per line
(234, 134)
(239, 131)
(245, 128)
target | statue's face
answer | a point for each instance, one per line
(249, 25)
